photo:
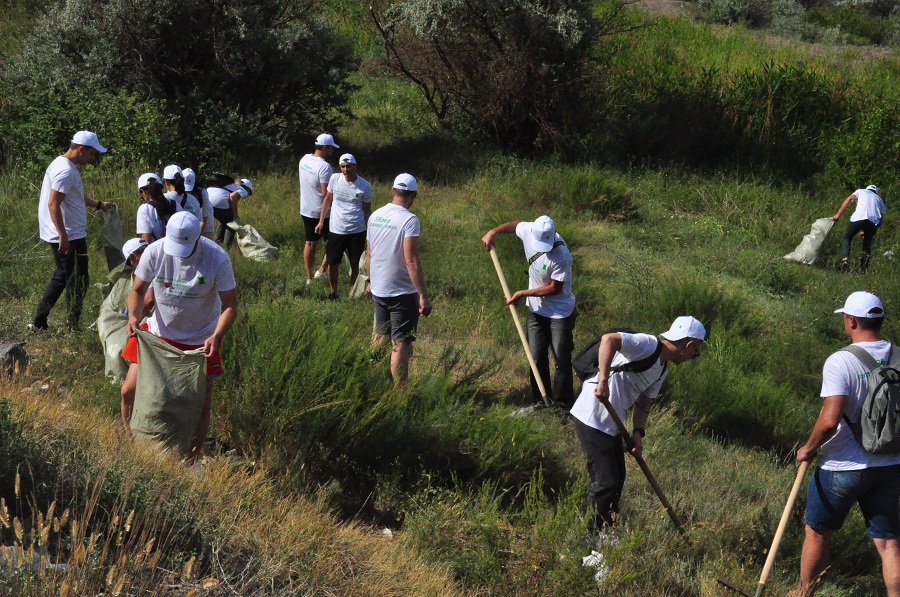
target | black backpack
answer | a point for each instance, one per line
(585, 362)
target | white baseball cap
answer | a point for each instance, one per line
(182, 233)
(872, 188)
(685, 327)
(326, 139)
(862, 304)
(245, 182)
(190, 178)
(171, 171)
(405, 182)
(145, 179)
(347, 158)
(544, 231)
(131, 245)
(88, 138)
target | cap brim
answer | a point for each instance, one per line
(176, 249)
(100, 148)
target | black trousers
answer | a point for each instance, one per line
(605, 456)
(71, 277)
(556, 336)
(869, 228)
(224, 234)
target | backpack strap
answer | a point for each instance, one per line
(537, 256)
(641, 365)
(865, 358)
(871, 364)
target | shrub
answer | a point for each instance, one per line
(515, 72)
(755, 13)
(174, 80)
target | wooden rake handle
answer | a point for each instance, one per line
(518, 322)
(776, 542)
(643, 464)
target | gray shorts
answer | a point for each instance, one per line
(397, 316)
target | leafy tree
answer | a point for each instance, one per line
(163, 79)
(516, 71)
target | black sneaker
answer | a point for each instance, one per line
(37, 329)
(332, 296)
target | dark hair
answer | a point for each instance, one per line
(164, 208)
(178, 181)
(870, 324)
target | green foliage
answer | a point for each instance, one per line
(755, 13)
(246, 86)
(499, 69)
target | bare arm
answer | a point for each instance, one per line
(136, 303)
(610, 344)
(226, 320)
(233, 199)
(367, 212)
(55, 206)
(844, 205)
(825, 427)
(639, 421)
(326, 205)
(550, 288)
(414, 267)
(508, 228)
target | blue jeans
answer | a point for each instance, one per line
(554, 335)
(831, 494)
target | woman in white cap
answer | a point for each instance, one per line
(155, 211)
(173, 179)
(864, 221)
(199, 193)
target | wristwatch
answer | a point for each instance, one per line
(640, 431)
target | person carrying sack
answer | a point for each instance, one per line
(846, 473)
(191, 279)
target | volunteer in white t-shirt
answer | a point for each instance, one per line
(396, 278)
(155, 209)
(846, 473)
(315, 173)
(349, 199)
(224, 202)
(598, 434)
(865, 221)
(173, 179)
(192, 282)
(62, 223)
(199, 193)
(551, 304)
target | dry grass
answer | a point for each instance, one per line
(139, 523)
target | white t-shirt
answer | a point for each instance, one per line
(190, 203)
(869, 206)
(347, 204)
(62, 176)
(624, 387)
(314, 172)
(149, 222)
(218, 197)
(845, 375)
(388, 227)
(186, 290)
(556, 264)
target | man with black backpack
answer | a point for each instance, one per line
(631, 368)
(551, 304)
(860, 460)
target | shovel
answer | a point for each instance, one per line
(776, 542)
(518, 322)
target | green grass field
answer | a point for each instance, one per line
(316, 453)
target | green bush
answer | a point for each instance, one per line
(174, 81)
(755, 13)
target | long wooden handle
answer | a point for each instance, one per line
(518, 322)
(776, 542)
(643, 464)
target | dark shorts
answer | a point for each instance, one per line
(831, 494)
(309, 229)
(213, 363)
(397, 316)
(351, 244)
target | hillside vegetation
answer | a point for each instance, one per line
(715, 152)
